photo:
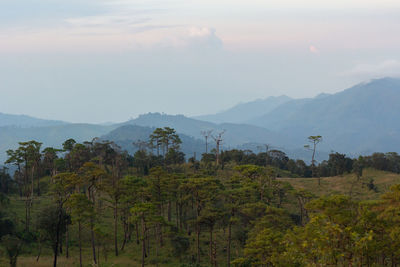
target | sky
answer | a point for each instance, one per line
(111, 60)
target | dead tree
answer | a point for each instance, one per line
(314, 140)
(218, 140)
(206, 135)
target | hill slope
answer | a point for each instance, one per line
(244, 112)
(25, 121)
(348, 184)
(235, 134)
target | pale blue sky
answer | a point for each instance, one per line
(109, 60)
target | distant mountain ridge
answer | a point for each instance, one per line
(234, 134)
(140, 128)
(360, 120)
(26, 121)
(244, 112)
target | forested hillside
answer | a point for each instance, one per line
(92, 204)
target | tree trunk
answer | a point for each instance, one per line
(13, 261)
(91, 197)
(217, 157)
(93, 242)
(116, 229)
(125, 234)
(180, 216)
(137, 233)
(143, 242)
(198, 242)
(156, 249)
(40, 250)
(27, 214)
(159, 227)
(228, 251)
(32, 180)
(80, 243)
(176, 214)
(38, 186)
(211, 246)
(184, 221)
(57, 237)
(66, 242)
(169, 211)
(98, 255)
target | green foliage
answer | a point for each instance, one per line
(53, 222)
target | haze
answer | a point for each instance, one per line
(98, 61)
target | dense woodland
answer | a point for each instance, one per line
(95, 203)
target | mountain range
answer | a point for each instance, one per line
(362, 119)
(244, 112)
(359, 120)
(25, 121)
(234, 134)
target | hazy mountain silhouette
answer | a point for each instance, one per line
(235, 134)
(25, 121)
(363, 118)
(244, 112)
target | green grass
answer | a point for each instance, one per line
(348, 184)
(131, 256)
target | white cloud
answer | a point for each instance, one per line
(193, 37)
(390, 67)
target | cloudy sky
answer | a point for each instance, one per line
(110, 60)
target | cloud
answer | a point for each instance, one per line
(106, 20)
(193, 38)
(203, 37)
(313, 49)
(390, 67)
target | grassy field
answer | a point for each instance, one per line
(348, 184)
